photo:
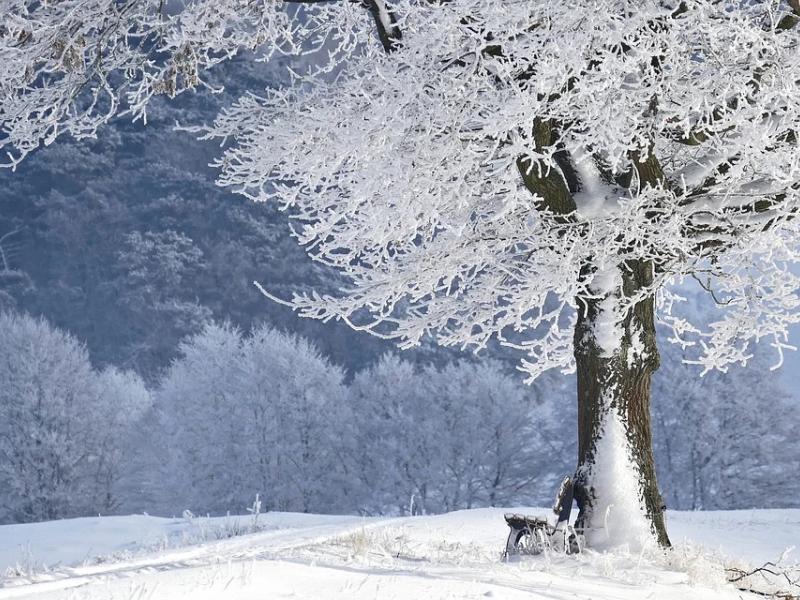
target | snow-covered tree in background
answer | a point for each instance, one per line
(201, 420)
(156, 263)
(299, 420)
(46, 376)
(63, 426)
(726, 440)
(254, 414)
(466, 435)
(399, 462)
(533, 172)
(122, 404)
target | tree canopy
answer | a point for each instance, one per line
(475, 165)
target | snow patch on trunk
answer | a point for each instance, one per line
(595, 199)
(637, 352)
(608, 333)
(618, 514)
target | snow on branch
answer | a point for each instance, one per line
(770, 580)
(69, 66)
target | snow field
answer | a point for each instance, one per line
(456, 555)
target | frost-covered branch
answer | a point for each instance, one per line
(70, 66)
(771, 580)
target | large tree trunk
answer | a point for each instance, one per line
(616, 355)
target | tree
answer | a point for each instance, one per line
(202, 421)
(488, 170)
(63, 427)
(118, 416)
(46, 376)
(433, 439)
(299, 421)
(155, 265)
(400, 468)
(254, 414)
(724, 441)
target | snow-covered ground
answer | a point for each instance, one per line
(457, 555)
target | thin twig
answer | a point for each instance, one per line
(791, 577)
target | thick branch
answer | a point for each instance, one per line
(385, 22)
(544, 181)
(649, 169)
(737, 220)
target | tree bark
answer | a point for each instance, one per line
(615, 383)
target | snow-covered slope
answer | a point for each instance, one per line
(457, 555)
